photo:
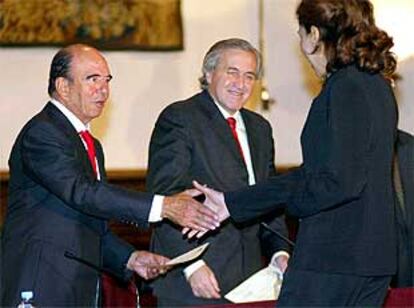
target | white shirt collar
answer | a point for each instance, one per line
(73, 119)
(237, 115)
(244, 142)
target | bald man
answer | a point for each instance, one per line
(59, 201)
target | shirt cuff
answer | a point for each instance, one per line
(189, 270)
(156, 209)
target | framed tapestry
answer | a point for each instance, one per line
(105, 24)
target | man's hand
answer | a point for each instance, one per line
(213, 200)
(146, 264)
(183, 210)
(204, 284)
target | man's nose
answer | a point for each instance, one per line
(239, 81)
(103, 87)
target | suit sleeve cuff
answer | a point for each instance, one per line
(156, 209)
(189, 270)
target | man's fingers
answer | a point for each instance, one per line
(187, 212)
(192, 192)
(200, 234)
(191, 233)
(185, 230)
(198, 227)
(206, 218)
(208, 214)
(211, 291)
(202, 224)
(214, 294)
(204, 283)
(152, 273)
(196, 233)
(196, 293)
(144, 274)
(215, 285)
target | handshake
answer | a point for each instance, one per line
(196, 218)
(214, 201)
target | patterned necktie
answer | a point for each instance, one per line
(87, 137)
(232, 123)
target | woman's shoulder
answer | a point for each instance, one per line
(349, 72)
(352, 74)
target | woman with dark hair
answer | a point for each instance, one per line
(345, 251)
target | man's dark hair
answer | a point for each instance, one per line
(60, 67)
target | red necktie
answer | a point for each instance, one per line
(87, 137)
(232, 123)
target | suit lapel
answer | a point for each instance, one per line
(219, 125)
(60, 120)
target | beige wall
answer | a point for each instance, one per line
(145, 82)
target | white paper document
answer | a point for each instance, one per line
(264, 285)
(189, 255)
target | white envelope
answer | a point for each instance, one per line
(189, 255)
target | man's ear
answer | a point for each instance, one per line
(62, 87)
(208, 77)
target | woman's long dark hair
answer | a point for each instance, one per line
(349, 33)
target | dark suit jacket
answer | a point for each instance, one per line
(343, 191)
(56, 205)
(405, 211)
(192, 141)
